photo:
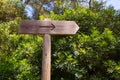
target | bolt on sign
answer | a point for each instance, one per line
(47, 28)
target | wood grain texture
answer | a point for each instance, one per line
(46, 59)
(48, 27)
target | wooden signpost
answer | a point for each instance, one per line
(47, 28)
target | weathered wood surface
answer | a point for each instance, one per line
(48, 27)
(46, 61)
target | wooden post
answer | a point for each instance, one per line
(46, 59)
(47, 27)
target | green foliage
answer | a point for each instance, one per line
(86, 19)
(113, 69)
(19, 54)
(93, 53)
(6, 68)
(82, 56)
(10, 10)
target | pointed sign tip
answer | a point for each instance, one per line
(43, 27)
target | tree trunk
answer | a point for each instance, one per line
(90, 4)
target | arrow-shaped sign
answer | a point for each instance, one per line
(48, 27)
